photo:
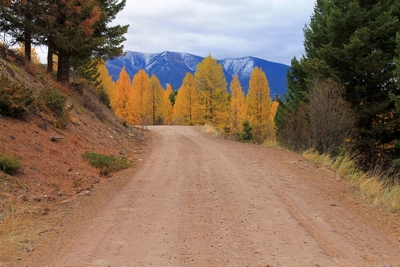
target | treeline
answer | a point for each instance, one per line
(343, 94)
(78, 32)
(203, 98)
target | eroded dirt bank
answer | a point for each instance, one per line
(200, 201)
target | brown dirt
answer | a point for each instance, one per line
(54, 173)
(200, 201)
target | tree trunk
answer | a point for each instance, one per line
(28, 46)
(50, 53)
(63, 68)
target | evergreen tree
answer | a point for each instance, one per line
(212, 87)
(353, 43)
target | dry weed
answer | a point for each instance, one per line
(372, 186)
(20, 226)
(210, 130)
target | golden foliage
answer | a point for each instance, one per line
(169, 110)
(259, 107)
(187, 107)
(238, 107)
(212, 88)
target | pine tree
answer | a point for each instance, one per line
(353, 42)
(169, 110)
(212, 87)
(238, 107)
(259, 107)
(187, 106)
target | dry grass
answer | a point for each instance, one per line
(371, 186)
(19, 228)
(211, 130)
(314, 156)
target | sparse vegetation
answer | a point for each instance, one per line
(374, 187)
(19, 227)
(10, 164)
(16, 100)
(107, 164)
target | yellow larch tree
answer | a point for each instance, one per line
(238, 107)
(213, 96)
(187, 107)
(259, 107)
(34, 55)
(106, 81)
(154, 105)
(121, 95)
(169, 110)
(138, 106)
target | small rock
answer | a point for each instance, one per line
(85, 193)
(12, 137)
(37, 199)
(29, 250)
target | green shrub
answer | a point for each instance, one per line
(247, 134)
(10, 164)
(106, 164)
(54, 100)
(16, 100)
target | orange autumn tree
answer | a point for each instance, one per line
(138, 106)
(212, 88)
(169, 110)
(120, 99)
(187, 107)
(106, 81)
(259, 107)
(153, 103)
(238, 107)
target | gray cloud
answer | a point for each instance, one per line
(268, 29)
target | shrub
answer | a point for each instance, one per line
(247, 134)
(16, 100)
(54, 100)
(106, 164)
(10, 164)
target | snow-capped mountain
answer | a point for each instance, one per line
(171, 67)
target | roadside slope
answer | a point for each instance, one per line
(200, 201)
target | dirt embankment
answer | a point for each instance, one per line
(200, 201)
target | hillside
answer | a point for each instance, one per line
(53, 171)
(171, 67)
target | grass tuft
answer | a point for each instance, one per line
(107, 163)
(10, 164)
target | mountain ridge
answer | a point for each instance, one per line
(171, 68)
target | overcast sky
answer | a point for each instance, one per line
(267, 29)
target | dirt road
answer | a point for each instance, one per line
(201, 201)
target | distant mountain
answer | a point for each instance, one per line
(171, 67)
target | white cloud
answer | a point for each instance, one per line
(268, 29)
